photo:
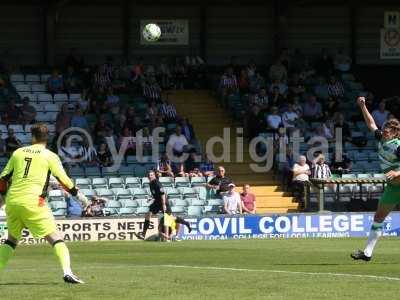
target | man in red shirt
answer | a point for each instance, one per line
(248, 200)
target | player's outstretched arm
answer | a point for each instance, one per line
(369, 120)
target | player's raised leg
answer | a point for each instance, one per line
(62, 253)
(7, 251)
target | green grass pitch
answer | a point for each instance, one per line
(235, 269)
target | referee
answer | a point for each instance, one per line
(160, 202)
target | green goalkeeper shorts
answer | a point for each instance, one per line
(391, 195)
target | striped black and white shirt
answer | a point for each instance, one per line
(102, 80)
(321, 171)
(152, 91)
(229, 82)
(168, 111)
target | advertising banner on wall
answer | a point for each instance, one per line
(92, 230)
(287, 226)
(390, 43)
(173, 32)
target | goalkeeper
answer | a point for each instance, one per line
(27, 175)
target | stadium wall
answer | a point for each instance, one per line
(338, 225)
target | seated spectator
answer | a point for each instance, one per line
(147, 141)
(129, 140)
(88, 153)
(256, 82)
(192, 164)
(96, 208)
(12, 114)
(151, 90)
(12, 142)
(101, 128)
(331, 106)
(275, 98)
(297, 107)
(232, 203)
(220, 182)
(101, 79)
(342, 61)
(287, 170)
(69, 154)
(74, 208)
(312, 110)
(131, 120)
(2, 144)
(180, 74)
(251, 68)
(254, 122)
(248, 200)
(335, 88)
(63, 119)
(320, 169)
(164, 168)
(323, 130)
(277, 71)
(301, 173)
(274, 120)
(165, 74)
(104, 157)
(342, 166)
(380, 114)
(321, 89)
(324, 64)
(187, 130)
(243, 82)
(344, 127)
(290, 117)
(177, 142)
(207, 167)
(178, 169)
(71, 81)
(28, 112)
(79, 120)
(112, 100)
(260, 99)
(281, 86)
(296, 86)
(229, 83)
(55, 83)
(168, 112)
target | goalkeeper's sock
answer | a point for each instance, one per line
(374, 234)
(179, 220)
(6, 252)
(146, 226)
(62, 253)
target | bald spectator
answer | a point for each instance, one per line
(248, 200)
(232, 203)
(220, 182)
(301, 173)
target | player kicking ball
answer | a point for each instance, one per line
(389, 155)
(27, 173)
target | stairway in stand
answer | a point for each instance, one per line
(209, 121)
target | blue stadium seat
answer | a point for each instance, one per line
(198, 181)
(130, 203)
(83, 183)
(188, 192)
(196, 211)
(127, 211)
(76, 171)
(116, 182)
(142, 210)
(145, 182)
(132, 182)
(105, 193)
(178, 209)
(126, 171)
(99, 183)
(173, 193)
(122, 194)
(92, 172)
(182, 182)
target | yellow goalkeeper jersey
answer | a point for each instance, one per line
(28, 170)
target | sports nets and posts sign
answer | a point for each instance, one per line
(92, 230)
(287, 226)
(173, 32)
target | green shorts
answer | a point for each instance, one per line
(391, 195)
(39, 220)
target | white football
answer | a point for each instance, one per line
(151, 32)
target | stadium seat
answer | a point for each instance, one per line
(56, 195)
(44, 78)
(198, 181)
(212, 209)
(182, 182)
(132, 182)
(32, 78)
(140, 170)
(23, 88)
(126, 171)
(92, 172)
(142, 210)
(145, 182)
(202, 192)
(173, 193)
(195, 202)
(51, 107)
(59, 213)
(60, 98)
(32, 97)
(113, 204)
(75, 97)
(166, 181)
(126, 211)
(178, 209)
(139, 193)
(196, 211)
(83, 183)
(105, 193)
(99, 183)
(39, 88)
(131, 159)
(111, 211)
(215, 202)
(179, 202)
(116, 182)
(88, 193)
(130, 203)
(188, 192)
(145, 202)
(44, 97)
(17, 128)
(122, 194)
(76, 171)
(17, 78)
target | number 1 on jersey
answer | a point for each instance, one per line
(28, 165)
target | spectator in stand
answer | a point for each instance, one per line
(28, 112)
(192, 164)
(277, 71)
(151, 90)
(380, 115)
(88, 153)
(287, 169)
(235, 65)
(69, 155)
(321, 89)
(101, 128)
(12, 114)
(248, 200)
(178, 169)
(177, 142)
(290, 117)
(79, 120)
(180, 74)
(243, 82)
(320, 169)
(301, 173)
(282, 87)
(220, 182)
(63, 119)
(331, 106)
(232, 203)
(229, 83)
(12, 142)
(168, 112)
(55, 83)
(342, 166)
(335, 88)
(274, 120)
(104, 157)
(324, 64)
(96, 208)
(71, 81)
(324, 130)
(254, 122)
(276, 99)
(2, 144)
(207, 166)
(341, 125)
(129, 140)
(138, 70)
(342, 61)
(297, 107)
(131, 120)
(112, 100)
(312, 110)
(101, 79)
(260, 99)
(296, 86)
(147, 142)
(188, 131)
(164, 168)
(165, 74)
(251, 68)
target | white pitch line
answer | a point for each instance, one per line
(122, 266)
